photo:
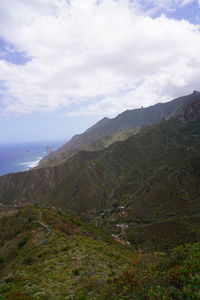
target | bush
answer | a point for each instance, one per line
(22, 242)
(76, 272)
(16, 294)
(1, 260)
(27, 261)
(81, 296)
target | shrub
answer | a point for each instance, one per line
(1, 260)
(81, 296)
(27, 261)
(22, 242)
(76, 272)
(15, 294)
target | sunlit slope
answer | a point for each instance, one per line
(107, 129)
(49, 254)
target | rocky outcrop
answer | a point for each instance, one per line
(190, 113)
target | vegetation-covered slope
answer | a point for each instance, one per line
(142, 185)
(174, 275)
(49, 254)
(153, 174)
(106, 127)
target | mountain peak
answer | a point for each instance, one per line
(196, 92)
(190, 112)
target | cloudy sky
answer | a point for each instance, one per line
(65, 64)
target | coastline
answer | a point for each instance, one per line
(22, 157)
(31, 164)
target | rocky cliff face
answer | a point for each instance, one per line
(191, 112)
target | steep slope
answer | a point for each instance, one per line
(49, 254)
(189, 112)
(153, 174)
(127, 120)
(115, 162)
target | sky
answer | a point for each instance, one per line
(65, 64)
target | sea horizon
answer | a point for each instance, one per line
(22, 156)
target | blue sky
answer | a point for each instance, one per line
(190, 13)
(64, 66)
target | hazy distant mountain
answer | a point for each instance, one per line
(106, 127)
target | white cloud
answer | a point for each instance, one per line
(87, 51)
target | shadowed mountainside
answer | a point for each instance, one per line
(107, 128)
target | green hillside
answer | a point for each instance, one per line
(49, 254)
(120, 223)
(108, 128)
(153, 174)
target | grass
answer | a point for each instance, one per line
(71, 261)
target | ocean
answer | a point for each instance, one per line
(21, 157)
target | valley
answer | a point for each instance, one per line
(121, 197)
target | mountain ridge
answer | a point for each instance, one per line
(94, 171)
(152, 173)
(127, 120)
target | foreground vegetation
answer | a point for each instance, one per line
(49, 254)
